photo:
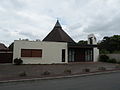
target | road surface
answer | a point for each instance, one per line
(96, 82)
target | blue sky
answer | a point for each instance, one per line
(34, 19)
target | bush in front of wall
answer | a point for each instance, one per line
(18, 61)
(103, 58)
(112, 61)
(118, 62)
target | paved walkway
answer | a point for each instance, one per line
(13, 72)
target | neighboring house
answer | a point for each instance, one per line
(56, 47)
(6, 55)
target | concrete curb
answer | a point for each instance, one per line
(60, 77)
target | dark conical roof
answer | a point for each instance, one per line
(57, 24)
(2, 46)
(58, 35)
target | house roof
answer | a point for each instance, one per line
(58, 35)
(57, 24)
(2, 46)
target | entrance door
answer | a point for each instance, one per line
(79, 55)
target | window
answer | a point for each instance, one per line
(89, 55)
(71, 55)
(36, 53)
(25, 53)
(31, 53)
(63, 55)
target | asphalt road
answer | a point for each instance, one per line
(96, 82)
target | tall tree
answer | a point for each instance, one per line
(110, 44)
(82, 42)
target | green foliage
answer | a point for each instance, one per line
(103, 58)
(103, 51)
(117, 52)
(112, 61)
(110, 44)
(118, 62)
(82, 42)
(18, 61)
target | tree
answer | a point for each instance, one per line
(110, 44)
(82, 42)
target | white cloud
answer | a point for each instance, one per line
(34, 19)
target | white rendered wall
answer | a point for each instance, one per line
(51, 51)
(95, 54)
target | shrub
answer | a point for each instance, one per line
(112, 61)
(86, 70)
(101, 68)
(118, 62)
(22, 74)
(46, 73)
(67, 71)
(18, 61)
(117, 52)
(103, 51)
(103, 58)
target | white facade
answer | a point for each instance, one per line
(92, 41)
(95, 54)
(51, 51)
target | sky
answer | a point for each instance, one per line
(34, 19)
